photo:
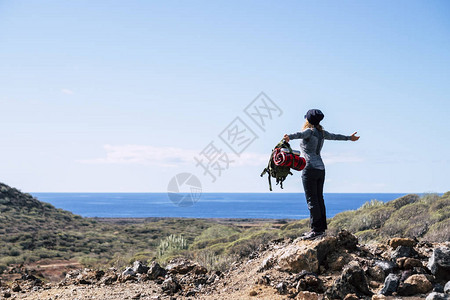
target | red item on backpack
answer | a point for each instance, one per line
(294, 161)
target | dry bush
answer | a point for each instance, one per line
(439, 232)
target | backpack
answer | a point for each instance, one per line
(282, 159)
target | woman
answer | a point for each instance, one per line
(313, 176)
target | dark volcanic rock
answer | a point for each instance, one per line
(387, 266)
(139, 267)
(447, 288)
(183, 266)
(170, 286)
(438, 288)
(347, 240)
(128, 271)
(264, 280)
(376, 273)
(109, 279)
(439, 263)
(390, 284)
(403, 251)
(310, 283)
(16, 287)
(155, 271)
(282, 288)
(352, 281)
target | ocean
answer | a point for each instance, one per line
(209, 205)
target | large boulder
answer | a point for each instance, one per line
(439, 263)
(415, 284)
(309, 255)
(304, 255)
(352, 281)
(295, 258)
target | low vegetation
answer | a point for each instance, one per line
(31, 230)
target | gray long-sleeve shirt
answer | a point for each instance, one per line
(311, 144)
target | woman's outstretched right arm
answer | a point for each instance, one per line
(298, 135)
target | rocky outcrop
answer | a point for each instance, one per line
(309, 255)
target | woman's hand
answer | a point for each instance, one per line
(354, 137)
(286, 138)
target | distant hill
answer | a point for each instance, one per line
(31, 230)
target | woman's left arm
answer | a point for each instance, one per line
(340, 137)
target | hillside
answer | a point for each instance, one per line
(35, 233)
(31, 230)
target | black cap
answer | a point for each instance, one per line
(314, 116)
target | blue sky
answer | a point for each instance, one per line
(120, 96)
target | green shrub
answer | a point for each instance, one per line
(214, 235)
(367, 236)
(411, 220)
(402, 201)
(341, 221)
(295, 225)
(171, 245)
(212, 261)
(370, 204)
(439, 232)
(90, 261)
(244, 246)
(370, 218)
(429, 198)
(144, 256)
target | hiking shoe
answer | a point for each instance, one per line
(312, 235)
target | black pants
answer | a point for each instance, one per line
(313, 180)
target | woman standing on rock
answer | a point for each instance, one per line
(313, 176)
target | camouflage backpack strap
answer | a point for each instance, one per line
(268, 170)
